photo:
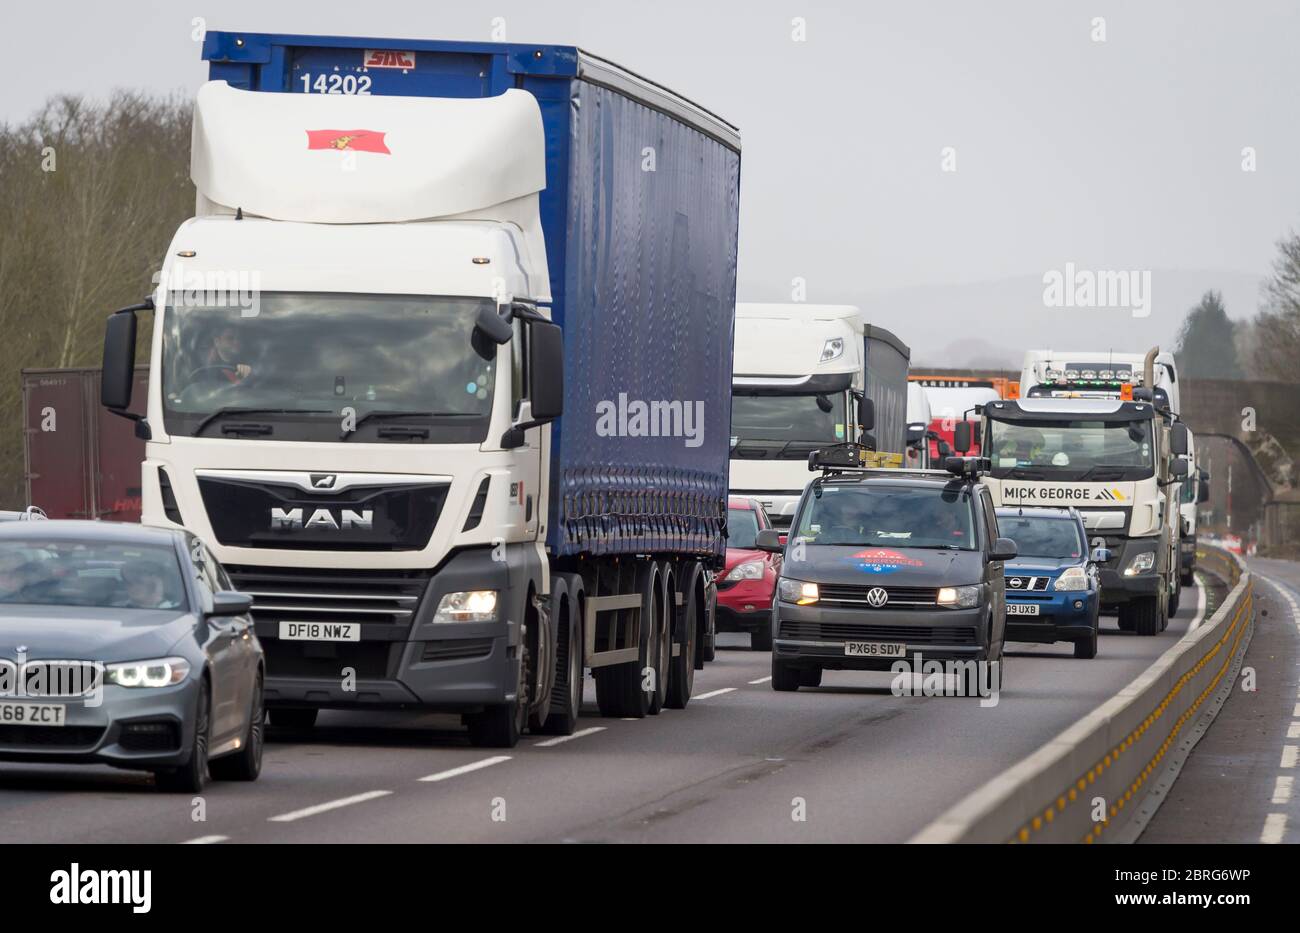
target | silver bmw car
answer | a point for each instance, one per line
(126, 645)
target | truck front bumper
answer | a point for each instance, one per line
(435, 666)
(815, 636)
(1118, 587)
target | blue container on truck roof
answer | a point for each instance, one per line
(642, 262)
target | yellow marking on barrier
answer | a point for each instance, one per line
(1246, 602)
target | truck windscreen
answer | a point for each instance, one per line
(1079, 450)
(328, 367)
(785, 426)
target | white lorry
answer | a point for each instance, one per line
(804, 377)
(1099, 434)
(407, 262)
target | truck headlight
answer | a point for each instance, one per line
(797, 591)
(467, 606)
(833, 349)
(1073, 579)
(959, 597)
(749, 570)
(1140, 564)
(160, 672)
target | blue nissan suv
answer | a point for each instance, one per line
(1053, 587)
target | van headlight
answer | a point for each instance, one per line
(1140, 564)
(1073, 579)
(797, 591)
(467, 606)
(160, 672)
(958, 597)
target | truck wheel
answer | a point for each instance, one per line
(1143, 615)
(810, 677)
(681, 673)
(1174, 602)
(1125, 620)
(761, 638)
(785, 679)
(662, 646)
(285, 717)
(566, 694)
(501, 725)
(1188, 578)
(619, 690)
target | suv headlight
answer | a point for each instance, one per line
(467, 606)
(160, 672)
(749, 570)
(797, 591)
(959, 597)
(833, 349)
(1140, 564)
(1073, 579)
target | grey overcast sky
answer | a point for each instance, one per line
(1116, 154)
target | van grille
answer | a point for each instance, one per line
(855, 597)
(912, 634)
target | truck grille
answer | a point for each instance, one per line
(283, 594)
(855, 597)
(847, 631)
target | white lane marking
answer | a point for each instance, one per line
(629, 719)
(204, 840)
(1293, 731)
(561, 739)
(1290, 753)
(1274, 828)
(466, 769)
(1282, 789)
(714, 693)
(761, 680)
(1296, 712)
(326, 807)
(1200, 605)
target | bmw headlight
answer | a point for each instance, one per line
(749, 570)
(161, 672)
(959, 597)
(467, 606)
(797, 591)
(1140, 564)
(1073, 579)
(832, 350)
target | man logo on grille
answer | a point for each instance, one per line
(322, 480)
(877, 597)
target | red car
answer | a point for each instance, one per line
(746, 586)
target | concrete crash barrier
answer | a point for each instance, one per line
(1102, 779)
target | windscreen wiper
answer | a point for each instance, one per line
(237, 410)
(1107, 468)
(382, 415)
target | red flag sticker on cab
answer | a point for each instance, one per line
(347, 140)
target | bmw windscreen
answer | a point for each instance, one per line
(89, 573)
(398, 368)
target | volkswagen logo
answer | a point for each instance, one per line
(877, 597)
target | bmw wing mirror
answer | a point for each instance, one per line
(230, 603)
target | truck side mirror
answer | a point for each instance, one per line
(961, 437)
(118, 375)
(1178, 467)
(866, 414)
(974, 434)
(1178, 439)
(546, 370)
(493, 325)
(1203, 488)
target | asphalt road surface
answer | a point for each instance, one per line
(846, 762)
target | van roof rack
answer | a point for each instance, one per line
(857, 458)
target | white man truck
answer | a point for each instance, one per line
(440, 248)
(810, 376)
(1100, 437)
